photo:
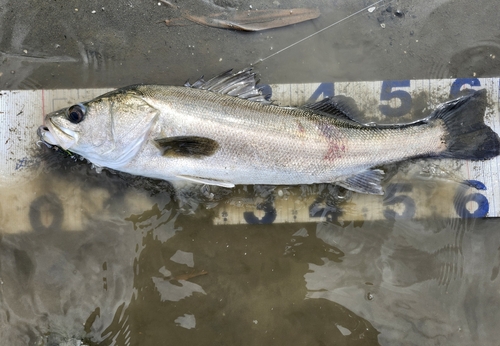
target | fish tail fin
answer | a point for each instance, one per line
(468, 137)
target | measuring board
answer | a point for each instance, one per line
(421, 190)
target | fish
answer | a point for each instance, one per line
(226, 131)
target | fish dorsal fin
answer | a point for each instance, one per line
(340, 107)
(205, 181)
(242, 84)
(365, 182)
(187, 146)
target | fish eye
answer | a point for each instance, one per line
(76, 113)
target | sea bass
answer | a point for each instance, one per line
(224, 132)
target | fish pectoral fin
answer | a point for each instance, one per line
(187, 146)
(365, 182)
(340, 107)
(205, 181)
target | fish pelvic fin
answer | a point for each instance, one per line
(368, 182)
(467, 136)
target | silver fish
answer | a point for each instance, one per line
(225, 132)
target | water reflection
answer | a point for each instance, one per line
(415, 281)
(134, 267)
(61, 284)
(67, 254)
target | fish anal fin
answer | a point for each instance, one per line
(187, 146)
(368, 182)
(206, 181)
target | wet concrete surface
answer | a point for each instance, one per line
(67, 45)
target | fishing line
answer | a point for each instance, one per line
(318, 32)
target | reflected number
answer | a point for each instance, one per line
(268, 218)
(319, 209)
(405, 201)
(48, 206)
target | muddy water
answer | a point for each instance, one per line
(108, 259)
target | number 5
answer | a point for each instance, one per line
(388, 94)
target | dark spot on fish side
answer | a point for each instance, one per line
(187, 146)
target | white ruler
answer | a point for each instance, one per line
(409, 194)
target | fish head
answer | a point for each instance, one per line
(108, 131)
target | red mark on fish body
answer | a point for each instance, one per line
(300, 126)
(336, 143)
(335, 151)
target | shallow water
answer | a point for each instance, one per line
(108, 259)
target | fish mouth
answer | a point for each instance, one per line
(52, 134)
(45, 135)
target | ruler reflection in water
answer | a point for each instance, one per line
(418, 190)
